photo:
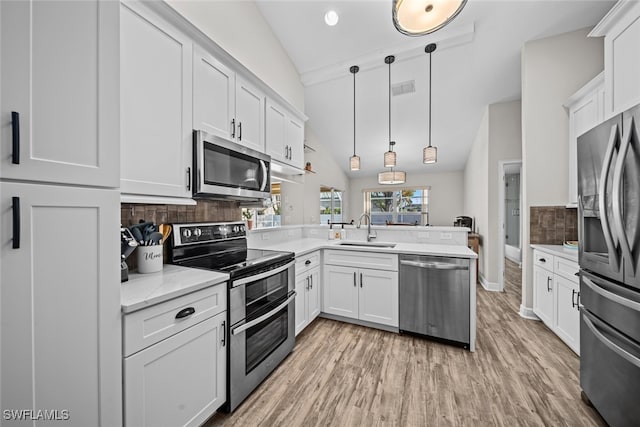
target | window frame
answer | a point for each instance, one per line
(424, 210)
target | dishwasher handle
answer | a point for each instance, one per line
(434, 265)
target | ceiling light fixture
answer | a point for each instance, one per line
(391, 176)
(420, 17)
(354, 161)
(331, 18)
(429, 153)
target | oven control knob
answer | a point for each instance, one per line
(236, 229)
(186, 232)
(197, 232)
(242, 228)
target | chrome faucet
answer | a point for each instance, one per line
(369, 235)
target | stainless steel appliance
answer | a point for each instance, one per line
(463, 221)
(609, 256)
(434, 297)
(261, 299)
(225, 169)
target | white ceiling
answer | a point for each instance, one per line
(477, 63)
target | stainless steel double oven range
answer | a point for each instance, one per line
(261, 299)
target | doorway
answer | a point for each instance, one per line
(510, 226)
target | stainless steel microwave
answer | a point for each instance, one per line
(224, 169)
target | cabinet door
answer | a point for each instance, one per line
(60, 323)
(340, 291)
(314, 294)
(275, 131)
(295, 141)
(249, 115)
(156, 88)
(181, 381)
(60, 74)
(302, 289)
(213, 95)
(566, 312)
(543, 295)
(378, 299)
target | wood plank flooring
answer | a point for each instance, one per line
(346, 375)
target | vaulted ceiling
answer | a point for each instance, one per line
(477, 63)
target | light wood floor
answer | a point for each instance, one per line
(345, 375)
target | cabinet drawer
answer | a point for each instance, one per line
(148, 326)
(307, 262)
(543, 259)
(361, 259)
(566, 268)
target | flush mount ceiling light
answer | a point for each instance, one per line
(429, 153)
(420, 17)
(354, 161)
(331, 18)
(392, 176)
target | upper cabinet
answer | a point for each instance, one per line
(156, 104)
(621, 31)
(284, 135)
(225, 104)
(586, 110)
(60, 94)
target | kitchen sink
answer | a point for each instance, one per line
(368, 244)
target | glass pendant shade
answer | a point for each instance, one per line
(390, 159)
(392, 177)
(429, 155)
(420, 17)
(354, 163)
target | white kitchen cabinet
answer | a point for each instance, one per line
(156, 104)
(180, 381)
(225, 104)
(621, 30)
(307, 289)
(353, 290)
(60, 322)
(59, 73)
(586, 110)
(284, 135)
(566, 312)
(543, 287)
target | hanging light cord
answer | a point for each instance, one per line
(429, 99)
(390, 146)
(354, 113)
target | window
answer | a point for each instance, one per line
(402, 206)
(330, 205)
(268, 216)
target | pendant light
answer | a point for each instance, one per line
(392, 176)
(420, 17)
(354, 161)
(429, 153)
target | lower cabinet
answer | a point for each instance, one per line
(179, 380)
(567, 313)
(365, 294)
(308, 289)
(543, 295)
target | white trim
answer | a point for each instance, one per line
(155, 200)
(527, 313)
(489, 286)
(611, 18)
(502, 165)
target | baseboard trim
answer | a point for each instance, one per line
(528, 313)
(489, 286)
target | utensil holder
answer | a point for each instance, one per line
(149, 259)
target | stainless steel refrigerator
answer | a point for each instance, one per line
(609, 255)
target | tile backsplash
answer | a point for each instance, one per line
(552, 225)
(203, 211)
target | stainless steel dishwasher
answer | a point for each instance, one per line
(434, 297)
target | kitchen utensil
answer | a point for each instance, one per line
(155, 238)
(165, 229)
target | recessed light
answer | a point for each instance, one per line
(331, 18)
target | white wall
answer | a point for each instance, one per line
(239, 28)
(445, 197)
(552, 70)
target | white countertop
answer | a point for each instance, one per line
(144, 290)
(559, 250)
(306, 245)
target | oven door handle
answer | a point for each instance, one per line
(242, 328)
(261, 276)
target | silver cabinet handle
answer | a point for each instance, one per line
(286, 151)
(188, 179)
(273, 312)
(233, 128)
(223, 341)
(307, 285)
(614, 137)
(239, 131)
(311, 278)
(261, 275)
(290, 153)
(360, 279)
(354, 279)
(548, 280)
(616, 200)
(434, 265)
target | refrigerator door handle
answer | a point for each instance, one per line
(616, 199)
(633, 305)
(602, 192)
(612, 346)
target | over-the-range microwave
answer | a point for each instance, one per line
(224, 169)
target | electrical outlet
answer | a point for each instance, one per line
(423, 234)
(445, 236)
(265, 236)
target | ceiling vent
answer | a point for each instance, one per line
(403, 87)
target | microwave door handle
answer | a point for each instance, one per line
(602, 205)
(616, 199)
(242, 328)
(265, 173)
